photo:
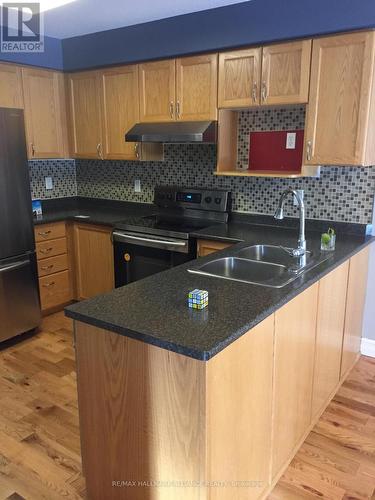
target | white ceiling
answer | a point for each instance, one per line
(89, 16)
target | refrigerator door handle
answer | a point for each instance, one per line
(23, 263)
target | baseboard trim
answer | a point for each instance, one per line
(368, 347)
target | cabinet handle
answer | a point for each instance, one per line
(99, 150)
(178, 110)
(309, 150)
(171, 109)
(254, 92)
(46, 250)
(48, 285)
(136, 150)
(264, 92)
(45, 233)
(32, 147)
(47, 268)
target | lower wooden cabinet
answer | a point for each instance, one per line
(55, 285)
(329, 336)
(93, 258)
(295, 325)
(206, 247)
(355, 303)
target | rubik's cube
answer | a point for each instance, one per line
(198, 299)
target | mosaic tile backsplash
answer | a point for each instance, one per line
(63, 173)
(340, 194)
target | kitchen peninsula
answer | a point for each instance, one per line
(213, 404)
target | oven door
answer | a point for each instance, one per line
(139, 255)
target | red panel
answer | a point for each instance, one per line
(268, 151)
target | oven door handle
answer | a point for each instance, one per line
(128, 238)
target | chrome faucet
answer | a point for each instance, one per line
(279, 214)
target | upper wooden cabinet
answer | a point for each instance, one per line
(278, 74)
(286, 73)
(196, 88)
(239, 78)
(11, 95)
(120, 100)
(45, 114)
(85, 115)
(340, 124)
(157, 89)
(182, 89)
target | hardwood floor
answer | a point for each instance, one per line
(39, 431)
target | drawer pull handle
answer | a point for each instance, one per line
(46, 250)
(47, 268)
(48, 285)
(45, 233)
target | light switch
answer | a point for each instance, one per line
(49, 182)
(291, 140)
(301, 192)
(137, 186)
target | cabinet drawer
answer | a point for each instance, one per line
(52, 265)
(51, 248)
(55, 290)
(46, 232)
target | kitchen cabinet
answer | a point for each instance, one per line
(94, 266)
(356, 296)
(207, 247)
(157, 90)
(341, 114)
(85, 115)
(182, 89)
(11, 94)
(239, 78)
(272, 75)
(45, 113)
(329, 336)
(55, 284)
(295, 325)
(286, 73)
(196, 88)
(120, 98)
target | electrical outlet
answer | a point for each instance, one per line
(49, 183)
(291, 140)
(137, 186)
(301, 192)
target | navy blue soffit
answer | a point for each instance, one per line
(248, 23)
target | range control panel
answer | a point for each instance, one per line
(195, 198)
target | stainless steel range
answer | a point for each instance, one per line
(151, 244)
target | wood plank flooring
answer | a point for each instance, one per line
(39, 431)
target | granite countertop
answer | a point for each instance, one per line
(101, 212)
(154, 310)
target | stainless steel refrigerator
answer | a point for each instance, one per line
(19, 293)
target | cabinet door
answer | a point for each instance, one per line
(120, 100)
(157, 91)
(45, 116)
(207, 247)
(341, 78)
(329, 335)
(295, 325)
(85, 115)
(286, 73)
(355, 303)
(93, 260)
(196, 90)
(239, 78)
(10, 86)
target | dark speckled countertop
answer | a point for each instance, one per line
(154, 310)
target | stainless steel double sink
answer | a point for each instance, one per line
(264, 265)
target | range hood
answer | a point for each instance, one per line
(173, 132)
